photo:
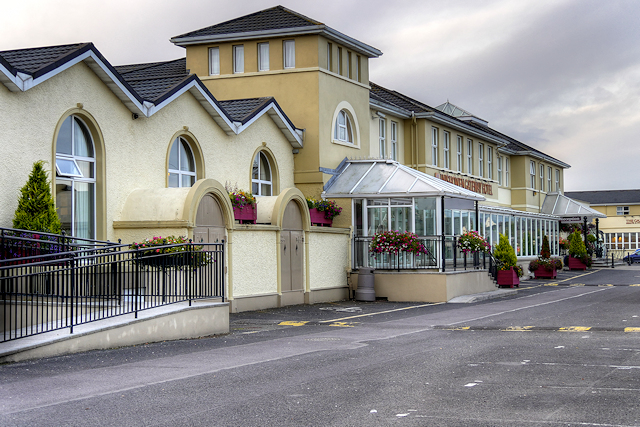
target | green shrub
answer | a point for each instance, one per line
(36, 210)
(505, 255)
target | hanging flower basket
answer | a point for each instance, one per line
(318, 218)
(246, 214)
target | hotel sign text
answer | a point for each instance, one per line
(469, 184)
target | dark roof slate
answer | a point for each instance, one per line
(242, 110)
(606, 197)
(274, 18)
(33, 60)
(155, 79)
(397, 99)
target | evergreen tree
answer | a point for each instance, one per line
(504, 252)
(577, 249)
(36, 210)
(545, 252)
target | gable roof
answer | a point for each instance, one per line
(277, 21)
(143, 88)
(403, 106)
(607, 197)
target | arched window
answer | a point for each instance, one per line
(182, 167)
(344, 129)
(76, 179)
(261, 176)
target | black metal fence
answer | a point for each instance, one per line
(443, 256)
(61, 289)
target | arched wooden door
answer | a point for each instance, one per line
(292, 249)
(210, 227)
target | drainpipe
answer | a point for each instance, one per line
(442, 232)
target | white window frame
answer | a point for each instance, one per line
(434, 146)
(260, 182)
(481, 160)
(349, 65)
(382, 130)
(499, 168)
(179, 172)
(289, 54)
(394, 141)
(446, 145)
(330, 56)
(345, 127)
(506, 171)
(214, 61)
(459, 153)
(340, 60)
(263, 56)
(541, 177)
(557, 180)
(489, 162)
(238, 59)
(470, 156)
(532, 173)
(549, 179)
(622, 210)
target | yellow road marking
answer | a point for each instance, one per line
(577, 284)
(551, 284)
(575, 277)
(293, 323)
(459, 328)
(380, 312)
(634, 285)
(341, 325)
(576, 328)
(632, 329)
(518, 328)
(602, 286)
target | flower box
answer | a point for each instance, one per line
(508, 278)
(318, 218)
(576, 264)
(247, 214)
(543, 273)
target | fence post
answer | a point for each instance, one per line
(73, 287)
(136, 281)
(612, 265)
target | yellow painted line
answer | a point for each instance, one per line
(577, 284)
(380, 312)
(634, 285)
(576, 328)
(550, 284)
(575, 277)
(632, 329)
(460, 328)
(293, 323)
(341, 325)
(604, 286)
(518, 328)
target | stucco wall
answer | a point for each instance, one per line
(255, 266)
(328, 258)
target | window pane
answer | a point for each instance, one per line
(63, 144)
(82, 141)
(255, 188)
(265, 190)
(86, 168)
(263, 56)
(289, 54)
(188, 180)
(186, 158)
(238, 59)
(83, 205)
(174, 162)
(378, 220)
(174, 180)
(401, 219)
(265, 170)
(63, 203)
(214, 61)
(67, 167)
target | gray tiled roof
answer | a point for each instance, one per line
(153, 80)
(275, 18)
(397, 99)
(35, 59)
(606, 197)
(242, 110)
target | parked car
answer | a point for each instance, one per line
(634, 257)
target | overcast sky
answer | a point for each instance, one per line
(560, 75)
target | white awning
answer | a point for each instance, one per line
(388, 178)
(568, 209)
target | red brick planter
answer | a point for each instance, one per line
(508, 278)
(246, 214)
(576, 264)
(317, 218)
(543, 273)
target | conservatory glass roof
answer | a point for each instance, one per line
(388, 178)
(562, 206)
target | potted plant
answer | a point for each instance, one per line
(545, 266)
(472, 241)
(396, 242)
(244, 206)
(508, 269)
(322, 212)
(578, 257)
